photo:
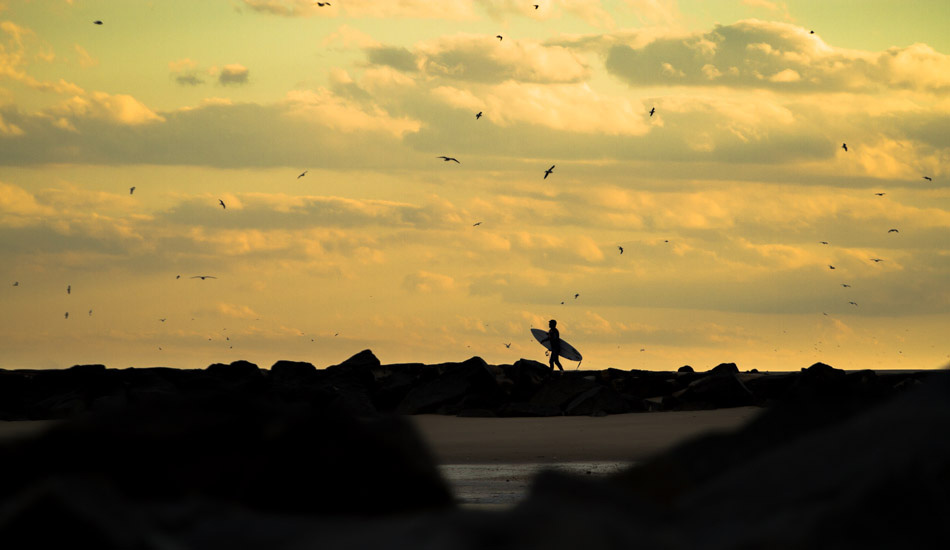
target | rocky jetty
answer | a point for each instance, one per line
(365, 387)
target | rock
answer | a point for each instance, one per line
(560, 390)
(357, 371)
(292, 372)
(714, 392)
(598, 401)
(236, 371)
(725, 368)
(446, 392)
(365, 359)
(685, 368)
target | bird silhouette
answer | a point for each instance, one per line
(928, 178)
(893, 231)
(498, 36)
(67, 315)
(131, 189)
(831, 267)
(823, 242)
(855, 304)
(876, 260)
(447, 159)
(621, 249)
(811, 32)
(97, 22)
(476, 224)
(203, 277)
(880, 194)
(302, 174)
(845, 147)
(69, 289)
(652, 110)
(548, 172)
(508, 345)
(16, 283)
(221, 202)
(322, 4)
(535, 6)
(576, 295)
(90, 313)
(162, 319)
(845, 285)
(177, 277)
(478, 115)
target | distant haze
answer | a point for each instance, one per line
(290, 151)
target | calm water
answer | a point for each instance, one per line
(503, 485)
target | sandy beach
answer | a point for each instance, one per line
(614, 438)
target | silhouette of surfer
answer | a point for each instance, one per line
(555, 338)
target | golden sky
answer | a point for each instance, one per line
(721, 200)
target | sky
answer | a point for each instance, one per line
(320, 128)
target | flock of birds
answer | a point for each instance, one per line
(446, 158)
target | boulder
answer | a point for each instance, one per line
(714, 392)
(685, 368)
(456, 382)
(560, 390)
(236, 371)
(725, 368)
(292, 372)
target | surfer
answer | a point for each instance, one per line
(554, 337)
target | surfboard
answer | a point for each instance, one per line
(567, 351)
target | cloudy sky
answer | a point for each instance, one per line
(721, 200)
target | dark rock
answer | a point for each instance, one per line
(456, 382)
(560, 390)
(357, 371)
(597, 401)
(238, 370)
(725, 368)
(685, 368)
(714, 392)
(292, 372)
(365, 359)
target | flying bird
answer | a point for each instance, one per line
(163, 319)
(131, 189)
(576, 295)
(97, 22)
(845, 285)
(855, 304)
(811, 32)
(508, 345)
(476, 224)
(447, 159)
(831, 267)
(67, 315)
(478, 115)
(221, 202)
(823, 242)
(177, 277)
(203, 277)
(621, 249)
(893, 231)
(928, 178)
(652, 110)
(548, 172)
(880, 194)
(302, 174)
(535, 6)
(16, 283)
(90, 313)
(69, 289)
(845, 147)
(322, 4)
(498, 36)
(876, 260)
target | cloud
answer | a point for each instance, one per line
(775, 55)
(122, 109)
(13, 60)
(425, 282)
(483, 58)
(237, 311)
(422, 9)
(233, 74)
(85, 60)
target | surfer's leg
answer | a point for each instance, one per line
(556, 359)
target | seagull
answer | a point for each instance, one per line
(447, 159)
(177, 277)
(16, 283)
(893, 231)
(576, 295)
(302, 174)
(203, 277)
(221, 202)
(928, 178)
(90, 313)
(478, 115)
(621, 249)
(548, 172)
(131, 189)
(162, 319)
(508, 345)
(876, 260)
(535, 6)
(845, 285)
(498, 36)
(97, 22)
(823, 242)
(845, 147)
(476, 224)
(855, 304)
(880, 194)
(831, 267)
(69, 289)
(322, 4)
(67, 315)
(652, 110)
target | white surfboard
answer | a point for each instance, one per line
(567, 351)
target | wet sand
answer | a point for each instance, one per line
(615, 438)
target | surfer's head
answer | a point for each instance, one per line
(552, 323)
